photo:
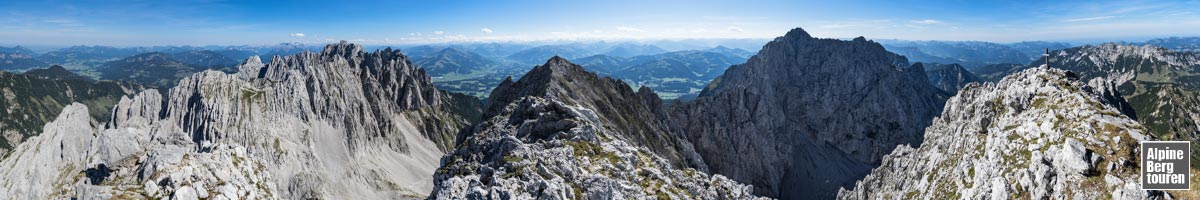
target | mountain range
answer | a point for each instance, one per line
(800, 118)
(970, 54)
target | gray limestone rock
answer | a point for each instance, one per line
(806, 115)
(563, 133)
(338, 124)
(1036, 134)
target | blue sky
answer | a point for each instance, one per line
(409, 22)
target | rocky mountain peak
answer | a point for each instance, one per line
(561, 132)
(340, 124)
(343, 49)
(796, 34)
(808, 100)
(1028, 136)
(637, 115)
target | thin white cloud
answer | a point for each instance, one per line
(1089, 19)
(299, 35)
(737, 29)
(439, 32)
(486, 30)
(927, 21)
(629, 29)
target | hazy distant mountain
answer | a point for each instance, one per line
(603, 64)
(83, 57)
(742, 53)
(18, 50)
(453, 61)
(91, 57)
(493, 50)
(540, 53)
(19, 61)
(970, 54)
(163, 70)
(630, 50)
(462, 71)
(1175, 43)
(419, 51)
(1035, 49)
(752, 45)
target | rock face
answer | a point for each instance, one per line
(561, 132)
(57, 154)
(28, 101)
(949, 77)
(1037, 134)
(338, 124)
(802, 101)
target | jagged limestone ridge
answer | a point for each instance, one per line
(558, 134)
(333, 124)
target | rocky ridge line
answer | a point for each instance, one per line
(1039, 133)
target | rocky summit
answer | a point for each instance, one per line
(337, 124)
(806, 116)
(1037, 134)
(561, 132)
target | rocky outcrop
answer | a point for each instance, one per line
(50, 163)
(561, 132)
(806, 116)
(30, 100)
(332, 124)
(1037, 134)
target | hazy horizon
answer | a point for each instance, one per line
(202, 23)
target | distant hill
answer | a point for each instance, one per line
(1174, 43)
(453, 61)
(630, 50)
(17, 49)
(539, 54)
(163, 70)
(19, 61)
(54, 72)
(82, 57)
